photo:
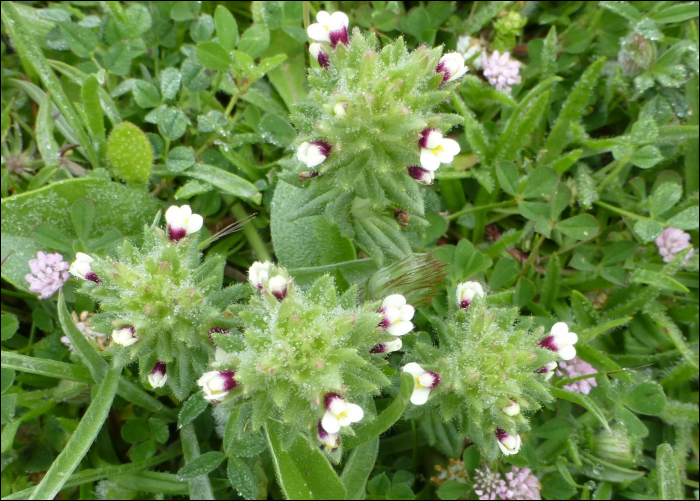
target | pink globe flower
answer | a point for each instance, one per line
(575, 368)
(671, 242)
(49, 273)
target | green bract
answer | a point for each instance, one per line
(487, 360)
(371, 107)
(295, 351)
(170, 298)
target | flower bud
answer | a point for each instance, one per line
(425, 381)
(278, 286)
(258, 274)
(303, 176)
(512, 409)
(547, 370)
(125, 336)
(451, 66)
(616, 447)
(158, 376)
(388, 347)
(181, 222)
(466, 292)
(316, 51)
(423, 176)
(217, 384)
(82, 268)
(509, 444)
(340, 110)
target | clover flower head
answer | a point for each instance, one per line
(48, 273)
(436, 149)
(522, 484)
(217, 384)
(82, 268)
(575, 368)
(331, 28)
(489, 484)
(561, 341)
(158, 377)
(426, 381)
(451, 66)
(339, 413)
(509, 444)
(397, 315)
(313, 153)
(125, 335)
(181, 222)
(671, 242)
(500, 70)
(467, 291)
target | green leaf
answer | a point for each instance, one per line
(226, 28)
(647, 398)
(303, 472)
(506, 269)
(255, 40)
(664, 197)
(180, 159)
(617, 252)
(686, 220)
(550, 286)
(507, 175)
(201, 465)
(600, 328)
(10, 324)
(310, 241)
(581, 227)
(170, 79)
(540, 182)
(83, 215)
(386, 419)
(676, 14)
(45, 367)
(135, 430)
(50, 237)
(270, 63)
(225, 181)
(213, 56)
(624, 9)
(241, 477)
(95, 124)
(130, 153)
(82, 41)
(668, 474)
(202, 28)
(468, 261)
(635, 426)
(646, 157)
(452, 490)
(172, 123)
(200, 486)
(184, 11)
(583, 401)
(648, 230)
(276, 130)
(46, 142)
(524, 292)
(358, 467)
(194, 406)
(560, 200)
(657, 279)
(556, 428)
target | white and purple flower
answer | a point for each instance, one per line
(671, 242)
(500, 70)
(313, 153)
(259, 274)
(48, 273)
(512, 409)
(548, 370)
(217, 384)
(423, 176)
(158, 377)
(388, 347)
(426, 381)
(331, 28)
(397, 315)
(467, 291)
(82, 268)
(436, 149)
(181, 222)
(330, 440)
(316, 51)
(509, 444)
(278, 286)
(339, 413)
(451, 66)
(561, 341)
(125, 335)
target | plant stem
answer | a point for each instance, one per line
(623, 212)
(251, 234)
(617, 169)
(200, 487)
(81, 440)
(497, 205)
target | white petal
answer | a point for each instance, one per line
(315, 49)
(220, 355)
(344, 421)
(511, 409)
(570, 338)
(450, 146)
(84, 258)
(559, 329)
(392, 314)
(318, 32)
(323, 17)
(413, 368)
(194, 223)
(458, 74)
(330, 423)
(567, 352)
(185, 211)
(355, 412)
(394, 345)
(426, 380)
(504, 449)
(218, 396)
(407, 312)
(172, 214)
(420, 396)
(433, 140)
(338, 21)
(394, 301)
(336, 407)
(429, 160)
(400, 328)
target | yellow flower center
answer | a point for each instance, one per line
(437, 149)
(418, 385)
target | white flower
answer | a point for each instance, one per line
(340, 110)
(469, 48)
(158, 377)
(451, 66)
(425, 382)
(509, 444)
(339, 413)
(501, 70)
(125, 336)
(330, 440)
(278, 286)
(181, 222)
(316, 51)
(397, 315)
(331, 28)
(561, 341)
(423, 176)
(388, 347)
(217, 384)
(436, 149)
(512, 409)
(82, 268)
(466, 292)
(313, 153)
(548, 370)
(258, 274)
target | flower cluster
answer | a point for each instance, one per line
(481, 375)
(85, 327)
(159, 301)
(306, 359)
(368, 130)
(48, 273)
(500, 70)
(517, 484)
(671, 242)
(576, 368)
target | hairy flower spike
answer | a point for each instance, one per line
(331, 28)
(501, 71)
(671, 242)
(158, 377)
(82, 268)
(561, 341)
(181, 222)
(48, 273)
(425, 382)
